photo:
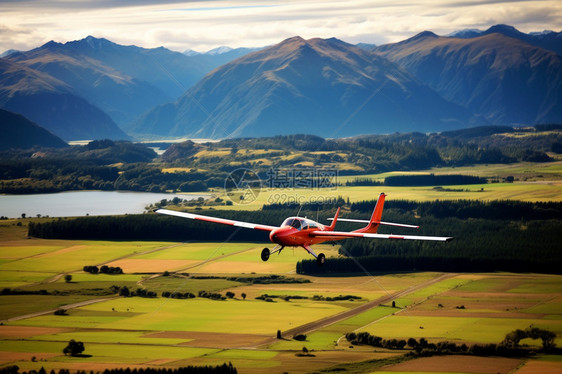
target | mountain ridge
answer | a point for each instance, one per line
(52, 104)
(505, 79)
(316, 84)
(547, 39)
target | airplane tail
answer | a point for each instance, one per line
(334, 220)
(375, 220)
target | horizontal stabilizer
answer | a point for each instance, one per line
(340, 234)
(381, 222)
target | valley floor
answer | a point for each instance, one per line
(259, 299)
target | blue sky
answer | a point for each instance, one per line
(203, 25)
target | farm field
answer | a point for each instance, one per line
(521, 171)
(166, 332)
(522, 191)
(533, 182)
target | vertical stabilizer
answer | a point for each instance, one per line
(333, 225)
(375, 220)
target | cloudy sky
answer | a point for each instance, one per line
(203, 25)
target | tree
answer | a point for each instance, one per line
(124, 291)
(546, 336)
(412, 342)
(73, 348)
(243, 295)
(513, 338)
(68, 278)
(91, 269)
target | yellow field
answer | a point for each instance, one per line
(523, 171)
(523, 191)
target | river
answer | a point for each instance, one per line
(81, 203)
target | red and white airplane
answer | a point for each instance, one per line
(303, 232)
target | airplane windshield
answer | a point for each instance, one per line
(296, 223)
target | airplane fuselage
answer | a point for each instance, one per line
(297, 232)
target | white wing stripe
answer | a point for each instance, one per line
(407, 237)
(224, 221)
(245, 224)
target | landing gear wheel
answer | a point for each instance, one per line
(321, 259)
(265, 254)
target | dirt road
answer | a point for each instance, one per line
(316, 325)
(65, 307)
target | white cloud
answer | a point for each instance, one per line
(202, 25)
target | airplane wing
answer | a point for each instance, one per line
(223, 221)
(340, 234)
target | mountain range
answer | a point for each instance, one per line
(317, 86)
(504, 79)
(93, 88)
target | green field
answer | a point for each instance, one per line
(165, 332)
(71, 257)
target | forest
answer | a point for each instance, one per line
(488, 236)
(188, 167)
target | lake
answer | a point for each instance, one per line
(81, 203)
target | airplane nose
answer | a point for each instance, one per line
(283, 236)
(275, 235)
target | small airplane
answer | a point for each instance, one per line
(303, 232)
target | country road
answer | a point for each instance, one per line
(51, 311)
(316, 325)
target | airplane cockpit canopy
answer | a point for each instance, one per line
(301, 223)
(294, 222)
